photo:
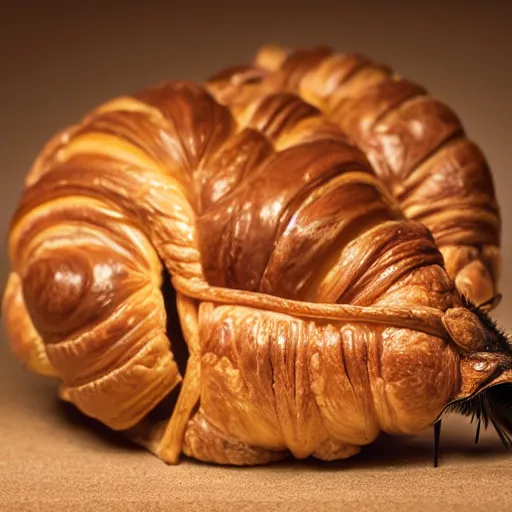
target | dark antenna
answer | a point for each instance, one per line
(437, 435)
(477, 437)
(491, 303)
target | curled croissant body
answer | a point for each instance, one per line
(315, 315)
(416, 144)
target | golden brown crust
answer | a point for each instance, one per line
(416, 144)
(313, 310)
(24, 340)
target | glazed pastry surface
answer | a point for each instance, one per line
(301, 228)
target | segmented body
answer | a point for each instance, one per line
(310, 305)
(416, 144)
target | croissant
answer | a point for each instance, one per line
(237, 282)
(415, 143)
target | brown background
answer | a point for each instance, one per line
(59, 59)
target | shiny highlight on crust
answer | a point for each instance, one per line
(317, 222)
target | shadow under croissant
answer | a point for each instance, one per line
(72, 416)
(385, 451)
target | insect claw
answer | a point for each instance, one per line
(437, 435)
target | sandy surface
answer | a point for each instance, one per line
(53, 458)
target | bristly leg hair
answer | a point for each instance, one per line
(499, 404)
(493, 405)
